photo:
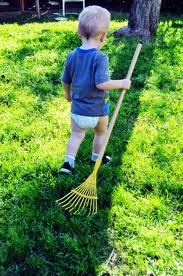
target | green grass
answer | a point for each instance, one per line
(140, 194)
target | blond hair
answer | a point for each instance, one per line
(93, 20)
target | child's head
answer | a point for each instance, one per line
(93, 21)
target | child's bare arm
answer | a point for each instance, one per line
(115, 84)
(67, 93)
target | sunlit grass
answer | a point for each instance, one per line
(140, 193)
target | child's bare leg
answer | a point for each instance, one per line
(100, 131)
(77, 136)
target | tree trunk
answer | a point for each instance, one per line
(143, 19)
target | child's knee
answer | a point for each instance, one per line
(79, 134)
(100, 133)
(101, 127)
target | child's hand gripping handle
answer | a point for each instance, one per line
(109, 130)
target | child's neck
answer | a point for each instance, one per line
(89, 44)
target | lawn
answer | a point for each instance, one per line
(140, 193)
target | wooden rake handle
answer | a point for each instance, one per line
(116, 111)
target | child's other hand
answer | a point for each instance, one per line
(126, 83)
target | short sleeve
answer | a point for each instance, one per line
(102, 70)
(66, 77)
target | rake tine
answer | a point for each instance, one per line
(90, 206)
(77, 199)
(80, 188)
(85, 199)
(88, 200)
(67, 196)
(83, 190)
(93, 207)
(75, 207)
(85, 203)
(69, 202)
(96, 206)
(91, 200)
(93, 211)
(77, 211)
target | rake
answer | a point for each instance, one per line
(85, 195)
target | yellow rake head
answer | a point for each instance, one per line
(83, 196)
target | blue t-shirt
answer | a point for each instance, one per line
(84, 69)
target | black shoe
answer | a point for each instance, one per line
(66, 168)
(105, 160)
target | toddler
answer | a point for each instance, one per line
(86, 83)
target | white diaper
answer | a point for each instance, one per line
(85, 121)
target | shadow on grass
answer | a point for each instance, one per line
(43, 239)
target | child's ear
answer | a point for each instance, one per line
(102, 37)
